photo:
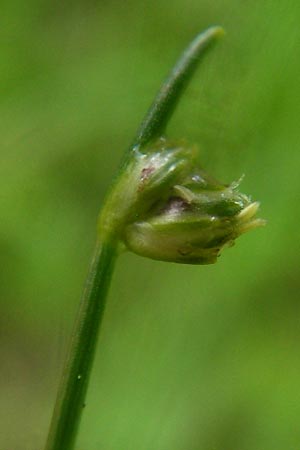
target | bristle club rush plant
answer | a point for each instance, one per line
(162, 205)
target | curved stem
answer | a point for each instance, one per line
(75, 377)
(74, 382)
(162, 108)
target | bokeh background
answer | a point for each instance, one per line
(190, 357)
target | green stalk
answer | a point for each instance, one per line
(76, 373)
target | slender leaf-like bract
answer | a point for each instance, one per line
(160, 112)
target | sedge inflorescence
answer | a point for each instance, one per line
(170, 209)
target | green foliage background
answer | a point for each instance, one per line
(190, 358)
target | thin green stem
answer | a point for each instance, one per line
(75, 378)
(164, 104)
(74, 382)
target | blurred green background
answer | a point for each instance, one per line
(190, 357)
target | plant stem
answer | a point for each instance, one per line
(75, 378)
(74, 382)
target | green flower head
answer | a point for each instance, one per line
(174, 211)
